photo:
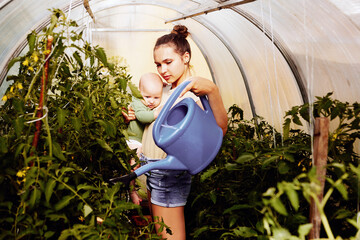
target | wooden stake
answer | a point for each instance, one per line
(321, 134)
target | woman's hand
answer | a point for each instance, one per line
(199, 86)
(202, 86)
(130, 115)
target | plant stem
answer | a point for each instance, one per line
(49, 135)
(323, 217)
(70, 188)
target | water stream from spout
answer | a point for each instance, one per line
(267, 73)
(275, 72)
(309, 78)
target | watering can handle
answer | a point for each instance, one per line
(170, 102)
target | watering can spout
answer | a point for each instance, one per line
(126, 179)
(169, 163)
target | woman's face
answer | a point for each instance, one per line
(170, 65)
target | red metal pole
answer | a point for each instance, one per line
(44, 80)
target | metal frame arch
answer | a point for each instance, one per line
(282, 48)
(237, 61)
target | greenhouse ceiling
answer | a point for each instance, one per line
(265, 55)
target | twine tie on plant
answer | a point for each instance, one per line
(38, 119)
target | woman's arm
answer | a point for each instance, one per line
(202, 86)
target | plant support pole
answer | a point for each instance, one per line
(43, 83)
(321, 134)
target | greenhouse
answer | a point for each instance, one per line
(288, 75)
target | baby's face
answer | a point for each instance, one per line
(152, 96)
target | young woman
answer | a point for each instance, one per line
(168, 189)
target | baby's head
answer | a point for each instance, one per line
(151, 86)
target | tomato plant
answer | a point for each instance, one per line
(57, 187)
(260, 184)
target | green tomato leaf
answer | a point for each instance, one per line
(57, 217)
(48, 234)
(101, 55)
(289, 157)
(134, 90)
(356, 170)
(342, 214)
(53, 22)
(110, 129)
(76, 122)
(58, 152)
(342, 189)
(49, 189)
(237, 207)
(66, 169)
(34, 197)
(20, 148)
(3, 145)
(199, 231)
(123, 84)
(85, 187)
(31, 38)
(245, 232)
(13, 61)
(281, 234)
(232, 220)
(246, 157)
(293, 197)
(63, 202)
(213, 197)
(283, 167)
(296, 120)
(78, 59)
(19, 126)
(104, 145)
(207, 174)
(61, 116)
(269, 160)
(277, 204)
(88, 108)
(304, 230)
(304, 112)
(113, 103)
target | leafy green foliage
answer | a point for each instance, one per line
(59, 189)
(260, 184)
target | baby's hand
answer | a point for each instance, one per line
(130, 115)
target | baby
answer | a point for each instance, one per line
(146, 111)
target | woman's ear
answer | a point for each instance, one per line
(186, 57)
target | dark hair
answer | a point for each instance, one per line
(177, 38)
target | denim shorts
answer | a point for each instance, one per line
(169, 188)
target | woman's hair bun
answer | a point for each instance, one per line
(180, 30)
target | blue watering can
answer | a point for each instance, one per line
(189, 135)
